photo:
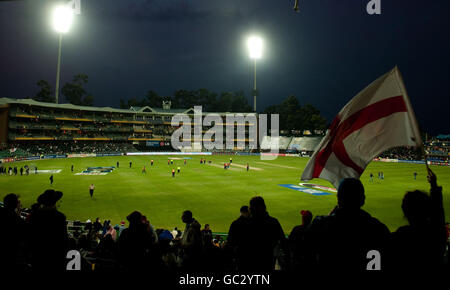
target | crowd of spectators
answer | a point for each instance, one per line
(39, 239)
(403, 153)
(38, 148)
(434, 150)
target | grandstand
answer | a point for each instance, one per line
(71, 128)
(304, 144)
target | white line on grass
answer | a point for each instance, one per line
(244, 166)
(220, 166)
(277, 165)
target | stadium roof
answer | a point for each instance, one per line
(132, 110)
(148, 109)
(32, 102)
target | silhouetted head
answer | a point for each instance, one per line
(11, 201)
(257, 205)
(186, 217)
(49, 197)
(306, 217)
(350, 194)
(134, 218)
(416, 207)
(244, 211)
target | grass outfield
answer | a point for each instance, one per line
(213, 194)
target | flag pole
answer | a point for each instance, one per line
(424, 153)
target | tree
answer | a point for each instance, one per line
(46, 93)
(152, 99)
(183, 99)
(206, 99)
(75, 93)
(293, 116)
(239, 103)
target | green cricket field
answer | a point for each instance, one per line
(213, 194)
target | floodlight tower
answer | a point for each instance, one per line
(62, 20)
(254, 44)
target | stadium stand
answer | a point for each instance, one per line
(280, 142)
(27, 126)
(306, 145)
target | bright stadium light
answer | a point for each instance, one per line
(254, 44)
(62, 18)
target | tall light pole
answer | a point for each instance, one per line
(254, 44)
(62, 20)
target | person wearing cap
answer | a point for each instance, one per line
(296, 242)
(48, 234)
(136, 244)
(342, 240)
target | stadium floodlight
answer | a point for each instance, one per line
(62, 18)
(255, 44)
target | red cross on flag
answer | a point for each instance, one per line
(378, 118)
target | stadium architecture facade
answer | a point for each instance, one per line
(26, 121)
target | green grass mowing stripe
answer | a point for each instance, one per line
(213, 194)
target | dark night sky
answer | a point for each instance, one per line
(323, 55)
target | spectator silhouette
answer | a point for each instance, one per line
(207, 235)
(341, 240)
(191, 242)
(234, 244)
(97, 225)
(259, 256)
(298, 251)
(49, 239)
(421, 243)
(12, 233)
(106, 248)
(137, 249)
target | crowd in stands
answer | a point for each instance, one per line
(39, 239)
(435, 150)
(402, 153)
(38, 148)
(438, 148)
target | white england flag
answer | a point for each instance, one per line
(376, 119)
